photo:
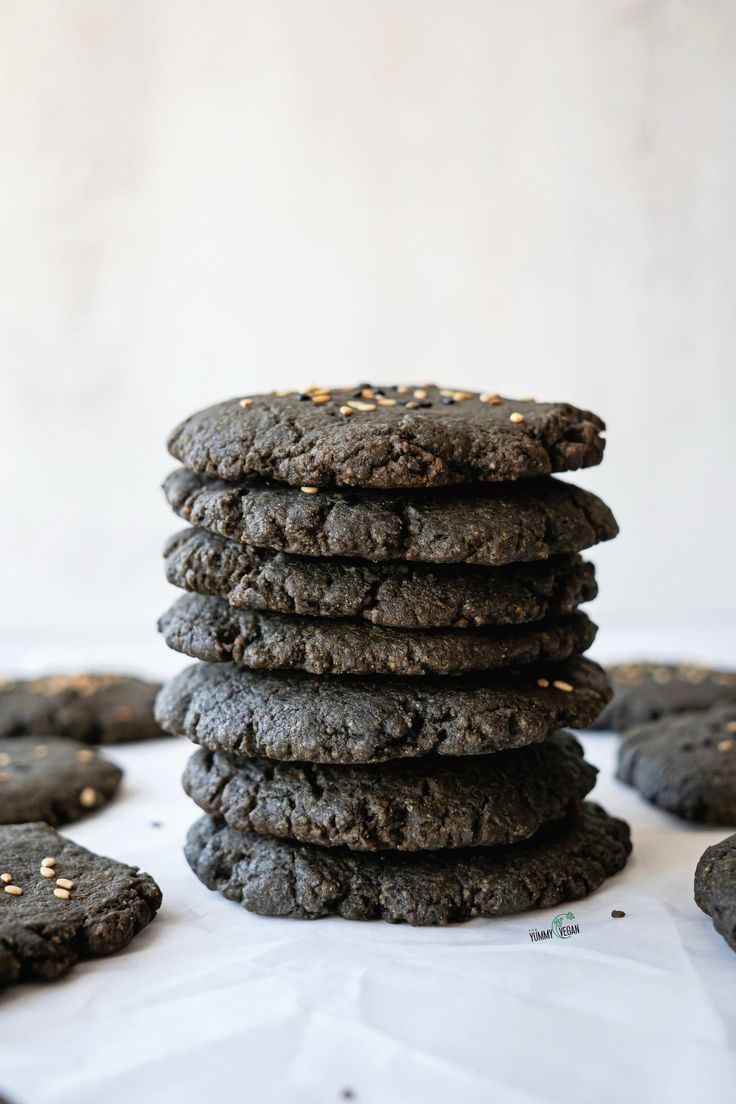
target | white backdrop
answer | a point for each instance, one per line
(198, 199)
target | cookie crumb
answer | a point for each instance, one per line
(617, 914)
(246, 402)
(346, 410)
(543, 682)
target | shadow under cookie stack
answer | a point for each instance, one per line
(384, 589)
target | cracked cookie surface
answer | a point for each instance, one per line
(395, 595)
(211, 630)
(43, 936)
(290, 715)
(383, 443)
(486, 526)
(278, 878)
(400, 806)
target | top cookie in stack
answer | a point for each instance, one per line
(376, 574)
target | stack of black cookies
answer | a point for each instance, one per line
(384, 590)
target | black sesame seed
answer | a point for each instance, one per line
(424, 405)
(448, 402)
(304, 398)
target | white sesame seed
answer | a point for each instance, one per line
(725, 745)
(13, 890)
(420, 393)
(386, 402)
(411, 406)
(62, 894)
(346, 410)
(281, 394)
(516, 418)
(40, 751)
(47, 871)
(48, 861)
(543, 682)
(6, 878)
(309, 490)
(319, 400)
(88, 797)
(4, 777)
(85, 755)
(731, 726)
(246, 402)
(64, 883)
(356, 405)
(560, 685)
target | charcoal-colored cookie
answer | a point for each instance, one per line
(715, 887)
(96, 709)
(685, 763)
(399, 806)
(396, 595)
(281, 878)
(42, 932)
(487, 526)
(290, 715)
(52, 779)
(427, 437)
(644, 691)
(211, 630)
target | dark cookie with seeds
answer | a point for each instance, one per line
(279, 878)
(487, 526)
(211, 630)
(52, 779)
(96, 709)
(685, 764)
(406, 805)
(290, 715)
(45, 930)
(394, 595)
(644, 691)
(393, 439)
(715, 887)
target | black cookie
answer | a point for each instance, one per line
(280, 878)
(400, 806)
(644, 691)
(685, 764)
(42, 931)
(395, 439)
(487, 526)
(715, 887)
(96, 709)
(395, 595)
(53, 779)
(210, 629)
(289, 715)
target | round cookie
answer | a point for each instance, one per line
(406, 805)
(279, 878)
(644, 691)
(487, 526)
(96, 709)
(42, 932)
(52, 779)
(685, 764)
(386, 437)
(293, 716)
(715, 887)
(211, 630)
(394, 595)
